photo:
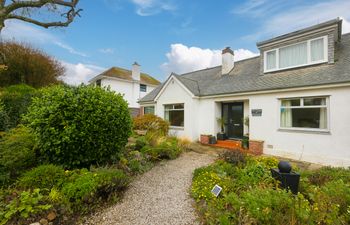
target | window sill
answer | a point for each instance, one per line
(307, 131)
(176, 128)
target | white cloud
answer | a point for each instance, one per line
(182, 59)
(294, 18)
(106, 50)
(152, 7)
(21, 31)
(69, 49)
(80, 73)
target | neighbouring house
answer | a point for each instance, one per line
(133, 84)
(296, 95)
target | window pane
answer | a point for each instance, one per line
(271, 60)
(143, 87)
(291, 102)
(167, 107)
(176, 118)
(98, 83)
(304, 118)
(293, 55)
(314, 101)
(179, 106)
(317, 50)
(148, 110)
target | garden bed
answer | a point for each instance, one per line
(251, 196)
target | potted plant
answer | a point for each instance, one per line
(245, 139)
(221, 135)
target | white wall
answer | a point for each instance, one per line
(130, 90)
(331, 148)
(174, 93)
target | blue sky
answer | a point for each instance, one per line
(170, 35)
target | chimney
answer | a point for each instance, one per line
(227, 60)
(135, 71)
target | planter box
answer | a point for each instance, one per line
(212, 140)
(221, 136)
(205, 139)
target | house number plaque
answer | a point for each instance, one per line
(256, 112)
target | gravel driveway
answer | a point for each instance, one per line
(160, 196)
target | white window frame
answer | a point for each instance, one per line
(154, 107)
(327, 130)
(183, 109)
(143, 85)
(309, 62)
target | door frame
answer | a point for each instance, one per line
(230, 115)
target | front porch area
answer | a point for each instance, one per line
(255, 146)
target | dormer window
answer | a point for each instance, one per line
(304, 53)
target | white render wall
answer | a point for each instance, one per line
(332, 148)
(130, 90)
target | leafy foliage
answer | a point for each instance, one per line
(79, 126)
(44, 176)
(4, 118)
(26, 204)
(27, 65)
(250, 196)
(16, 100)
(151, 123)
(17, 153)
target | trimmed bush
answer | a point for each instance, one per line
(17, 153)
(16, 100)
(43, 177)
(79, 126)
(151, 123)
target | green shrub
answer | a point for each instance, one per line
(84, 187)
(151, 123)
(235, 157)
(325, 174)
(16, 100)
(167, 148)
(4, 118)
(43, 177)
(141, 142)
(17, 153)
(79, 126)
(28, 203)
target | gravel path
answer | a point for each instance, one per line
(160, 196)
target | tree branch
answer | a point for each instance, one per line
(70, 15)
(37, 4)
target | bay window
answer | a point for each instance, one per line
(174, 114)
(307, 113)
(308, 52)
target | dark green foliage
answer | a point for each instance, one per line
(17, 153)
(250, 196)
(4, 118)
(79, 126)
(16, 100)
(234, 157)
(141, 142)
(43, 177)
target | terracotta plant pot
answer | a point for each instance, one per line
(205, 138)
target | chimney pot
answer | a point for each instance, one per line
(227, 60)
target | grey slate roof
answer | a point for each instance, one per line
(246, 77)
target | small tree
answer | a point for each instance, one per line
(27, 65)
(23, 10)
(79, 126)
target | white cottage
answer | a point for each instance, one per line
(296, 95)
(133, 84)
